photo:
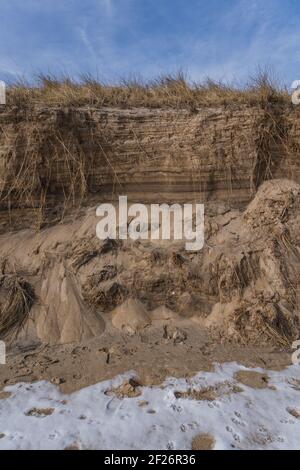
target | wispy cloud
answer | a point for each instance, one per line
(225, 40)
(109, 6)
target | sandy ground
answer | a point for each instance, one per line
(156, 353)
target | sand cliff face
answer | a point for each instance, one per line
(214, 153)
(59, 282)
(218, 154)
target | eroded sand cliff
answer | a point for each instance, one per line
(60, 285)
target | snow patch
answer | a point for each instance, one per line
(246, 418)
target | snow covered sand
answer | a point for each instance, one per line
(38, 416)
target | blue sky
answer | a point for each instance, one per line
(225, 39)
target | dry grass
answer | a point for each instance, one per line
(263, 323)
(84, 253)
(210, 393)
(170, 91)
(38, 153)
(18, 298)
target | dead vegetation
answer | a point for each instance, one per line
(16, 299)
(84, 252)
(169, 91)
(31, 177)
(210, 393)
(129, 389)
(263, 322)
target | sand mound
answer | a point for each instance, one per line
(130, 317)
(163, 313)
(258, 270)
(64, 317)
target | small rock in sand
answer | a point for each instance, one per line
(143, 403)
(57, 380)
(294, 412)
(130, 317)
(40, 412)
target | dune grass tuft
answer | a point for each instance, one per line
(18, 297)
(173, 91)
